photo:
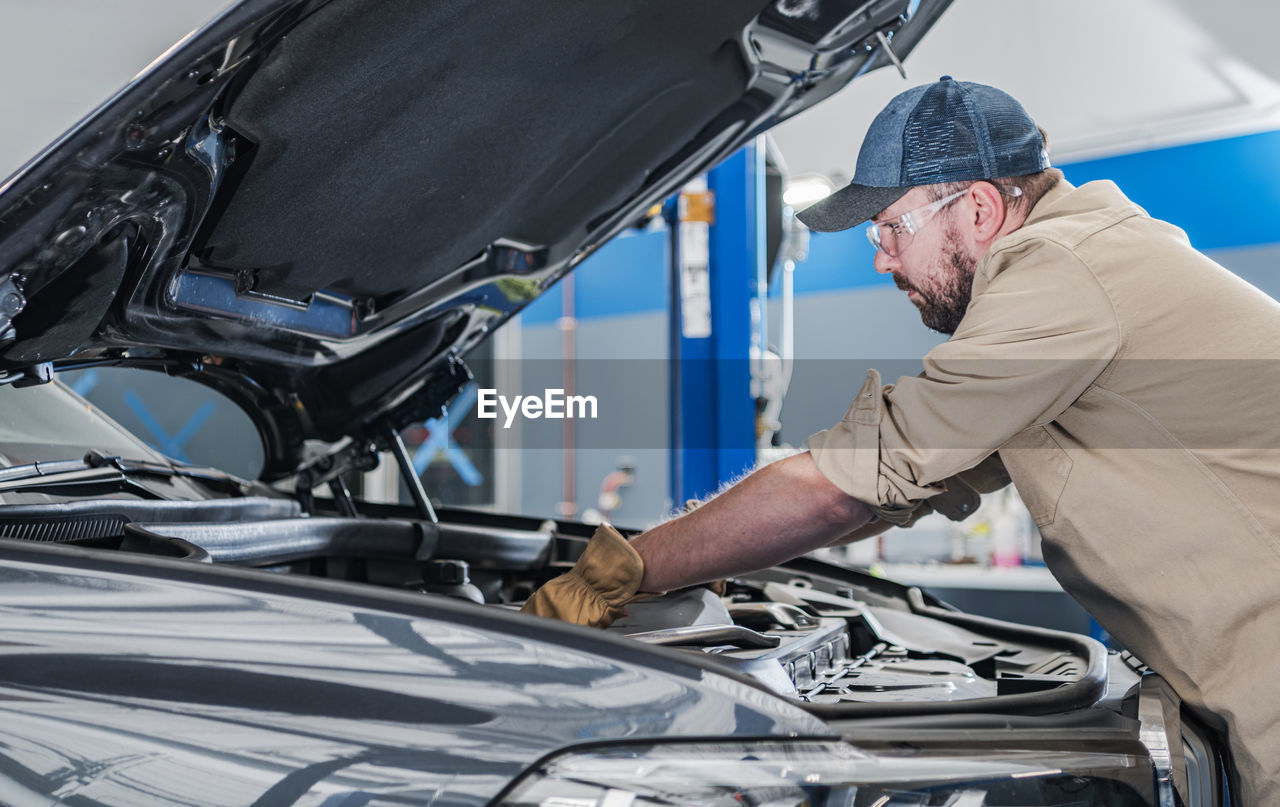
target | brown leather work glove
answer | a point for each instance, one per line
(594, 591)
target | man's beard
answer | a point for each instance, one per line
(943, 306)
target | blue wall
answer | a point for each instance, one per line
(1224, 193)
(628, 275)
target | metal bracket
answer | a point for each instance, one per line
(31, 376)
(1152, 733)
(446, 379)
(12, 301)
(358, 455)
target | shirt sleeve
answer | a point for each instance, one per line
(1038, 331)
(961, 495)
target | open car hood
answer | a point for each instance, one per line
(318, 207)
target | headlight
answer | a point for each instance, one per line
(831, 774)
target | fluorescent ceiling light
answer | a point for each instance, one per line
(806, 191)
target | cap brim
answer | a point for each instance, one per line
(848, 207)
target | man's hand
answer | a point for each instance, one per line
(779, 512)
(594, 591)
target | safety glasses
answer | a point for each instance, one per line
(892, 237)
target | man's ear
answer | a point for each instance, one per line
(988, 211)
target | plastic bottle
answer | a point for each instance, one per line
(1009, 537)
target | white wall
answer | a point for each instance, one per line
(1102, 76)
(59, 59)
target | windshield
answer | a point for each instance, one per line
(50, 422)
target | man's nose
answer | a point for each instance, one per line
(883, 263)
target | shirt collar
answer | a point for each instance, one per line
(1044, 207)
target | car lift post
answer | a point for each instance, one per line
(718, 289)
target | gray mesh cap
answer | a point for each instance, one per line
(948, 131)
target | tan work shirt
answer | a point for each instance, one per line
(1131, 388)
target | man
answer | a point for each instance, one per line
(1124, 382)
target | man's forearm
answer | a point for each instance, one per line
(868, 530)
(777, 513)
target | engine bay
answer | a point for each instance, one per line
(835, 647)
(801, 633)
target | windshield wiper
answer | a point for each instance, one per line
(97, 468)
(69, 474)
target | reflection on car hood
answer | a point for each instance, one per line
(121, 688)
(317, 207)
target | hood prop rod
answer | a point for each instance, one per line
(342, 497)
(893, 57)
(408, 472)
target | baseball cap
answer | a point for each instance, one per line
(947, 131)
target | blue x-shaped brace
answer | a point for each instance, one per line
(440, 439)
(170, 445)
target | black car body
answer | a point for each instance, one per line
(318, 208)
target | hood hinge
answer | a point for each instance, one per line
(357, 455)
